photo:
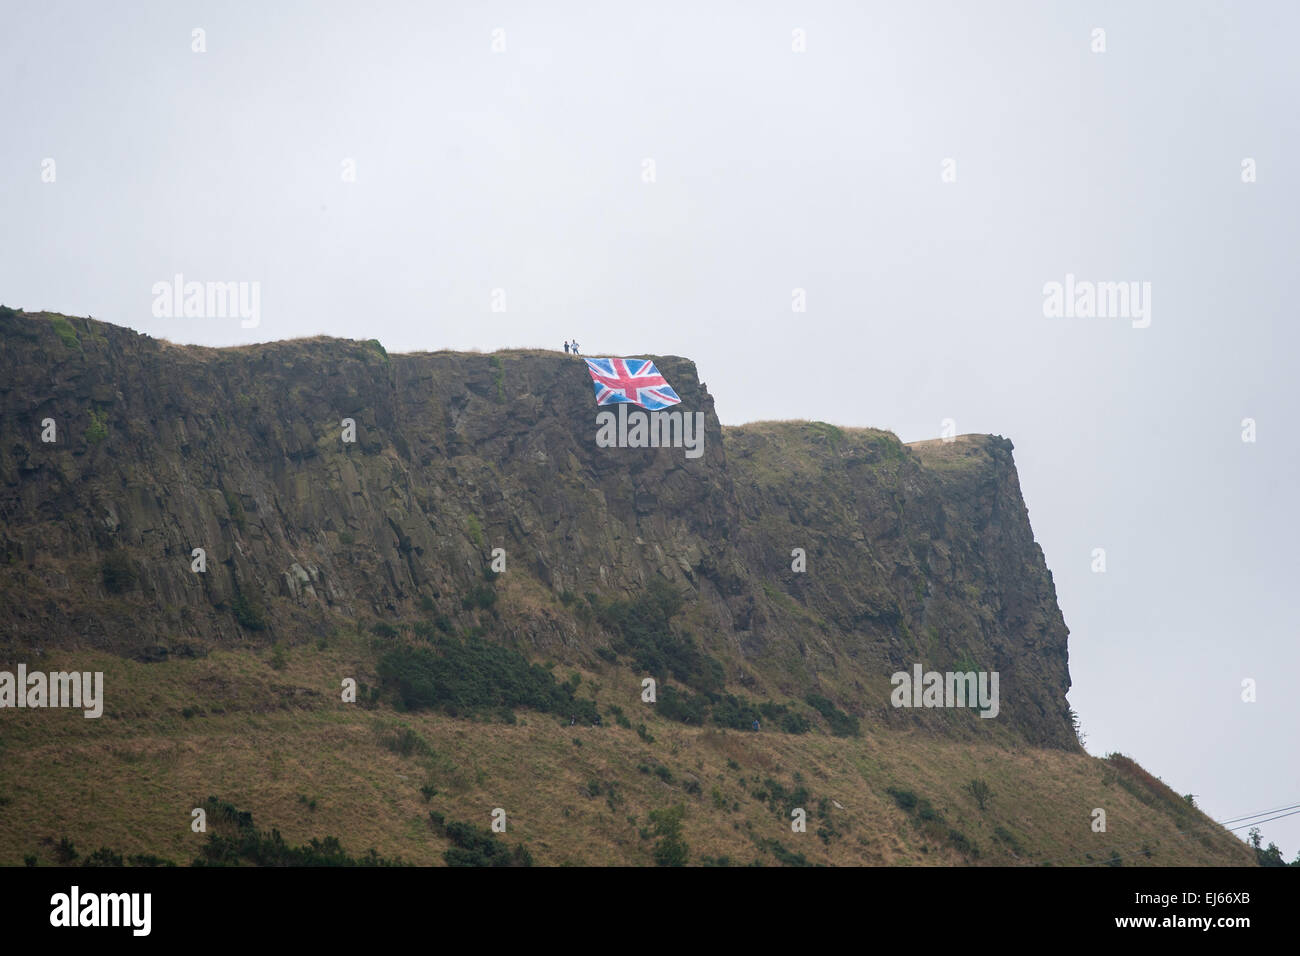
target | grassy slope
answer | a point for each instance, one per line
(268, 740)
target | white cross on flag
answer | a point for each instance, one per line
(632, 382)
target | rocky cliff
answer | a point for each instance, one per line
(911, 554)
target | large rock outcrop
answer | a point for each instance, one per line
(914, 554)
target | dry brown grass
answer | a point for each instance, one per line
(267, 741)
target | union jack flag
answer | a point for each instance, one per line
(630, 381)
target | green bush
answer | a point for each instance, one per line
(405, 742)
(234, 841)
(383, 629)
(475, 530)
(481, 596)
(65, 851)
(792, 723)
(66, 333)
(248, 611)
(780, 800)
(97, 430)
(235, 509)
(785, 856)
(103, 857)
(670, 849)
(429, 630)
(682, 706)
(118, 572)
(906, 799)
(841, 724)
(645, 634)
(732, 712)
(478, 846)
(981, 791)
(473, 678)
(962, 844)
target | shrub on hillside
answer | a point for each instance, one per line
(405, 742)
(118, 572)
(905, 799)
(841, 724)
(645, 634)
(981, 791)
(235, 509)
(97, 430)
(481, 596)
(670, 849)
(477, 846)
(784, 855)
(248, 611)
(682, 706)
(732, 712)
(474, 677)
(234, 841)
(65, 851)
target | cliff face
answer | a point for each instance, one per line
(914, 554)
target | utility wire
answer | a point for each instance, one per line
(1185, 833)
(1278, 817)
(1260, 814)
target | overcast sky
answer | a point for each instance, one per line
(381, 168)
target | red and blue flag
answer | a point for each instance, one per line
(630, 381)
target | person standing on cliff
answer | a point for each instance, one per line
(566, 346)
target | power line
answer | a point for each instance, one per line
(1260, 814)
(1278, 817)
(1185, 833)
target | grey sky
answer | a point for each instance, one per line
(522, 170)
